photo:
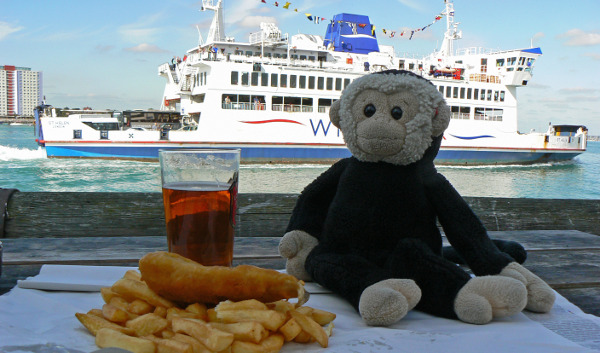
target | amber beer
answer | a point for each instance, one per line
(200, 220)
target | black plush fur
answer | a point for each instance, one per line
(376, 221)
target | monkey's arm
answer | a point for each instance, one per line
(463, 228)
(306, 223)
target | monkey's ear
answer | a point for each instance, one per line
(441, 119)
(334, 113)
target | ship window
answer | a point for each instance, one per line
(489, 94)
(321, 83)
(302, 82)
(499, 62)
(338, 84)
(511, 61)
(448, 91)
(293, 81)
(249, 53)
(324, 105)
(329, 83)
(346, 82)
(482, 95)
(103, 135)
(501, 96)
(311, 58)
(234, 77)
(496, 94)
(198, 98)
(441, 89)
(302, 57)
(488, 114)
(462, 93)
(258, 103)
(274, 80)
(311, 82)
(283, 80)
(264, 79)
(254, 79)
(455, 92)
(469, 91)
(476, 94)
(522, 60)
(245, 77)
(519, 68)
(76, 134)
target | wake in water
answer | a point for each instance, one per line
(8, 154)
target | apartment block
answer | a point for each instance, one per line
(21, 90)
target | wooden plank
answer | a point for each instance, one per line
(60, 214)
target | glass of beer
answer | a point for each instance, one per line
(199, 194)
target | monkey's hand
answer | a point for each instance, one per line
(540, 297)
(295, 246)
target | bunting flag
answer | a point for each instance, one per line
(391, 34)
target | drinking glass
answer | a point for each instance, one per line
(199, 189)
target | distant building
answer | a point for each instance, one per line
(20, 90)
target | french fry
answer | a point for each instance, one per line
(283, 306)
(199, 309)
(139, 307)
(160, 311)
(212, 315)
(270, 319)
(133, 274)
(176, 312)
(250, 304)
(243, 331)
(290, 330)
(147, 324)
(107, 294)
(166, 333)
(322, 317)
(114, 314)
(329, 329)
(271, 344)
(94, 324)
(311, 327)
(132, 289)
(213, 339)
(170, 346)
(111, 338)
(306, 310)
(303, 337)
(121, 303)
(95, 312)
(197, 347)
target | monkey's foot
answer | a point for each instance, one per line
(487, 297)
(540, 297)
(388, 301)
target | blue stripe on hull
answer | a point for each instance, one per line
(248, 153)
(305, 154)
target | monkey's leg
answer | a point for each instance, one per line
(511, 248)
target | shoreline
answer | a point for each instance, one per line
(20, 120)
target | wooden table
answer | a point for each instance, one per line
(561, 236)
(568, 260)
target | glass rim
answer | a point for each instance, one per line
(199, 150)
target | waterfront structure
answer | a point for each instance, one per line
(21, 90)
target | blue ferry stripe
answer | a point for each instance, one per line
(472, 137)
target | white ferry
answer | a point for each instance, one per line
(270, 97)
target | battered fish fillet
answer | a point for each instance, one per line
(179, 279)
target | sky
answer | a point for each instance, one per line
(105, 54)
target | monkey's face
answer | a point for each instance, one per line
(390, 117)
(381, 121)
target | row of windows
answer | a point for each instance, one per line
(472, 93)
(292, 81)
(480, 113)
(278, 103)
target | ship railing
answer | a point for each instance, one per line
(244, 106)
(292, 108)
(323, 109)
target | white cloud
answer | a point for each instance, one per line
(577, 37)
(7, 29)
(146, 48)
(141, 31)
(415, 5)
(594, 56)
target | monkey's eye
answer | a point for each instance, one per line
(397, 113)
(370, 110)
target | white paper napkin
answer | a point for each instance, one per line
(74, 278)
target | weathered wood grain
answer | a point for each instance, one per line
(59, 214)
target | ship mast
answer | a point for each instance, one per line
(452, 32)
(216, 33)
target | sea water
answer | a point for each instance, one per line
(24, 166)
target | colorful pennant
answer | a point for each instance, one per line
(386, 32)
